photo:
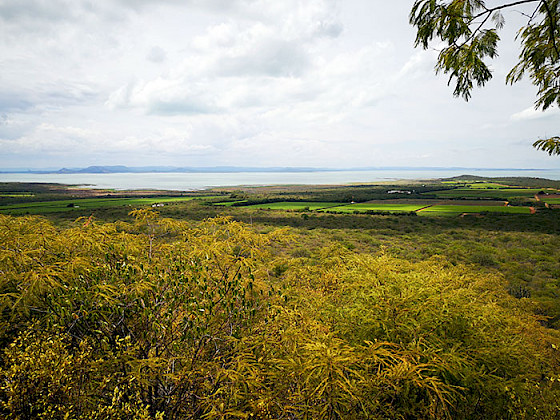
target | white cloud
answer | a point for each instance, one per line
(322, 82)
(166, 97)
(51, 139)
(535, 114)
(253, 71)
(239, 63)
(419, 64)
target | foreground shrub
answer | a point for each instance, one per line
(454, 343)
(160, 319)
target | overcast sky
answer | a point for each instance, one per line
(323, 83)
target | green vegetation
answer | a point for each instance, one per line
(490, 193)
(279, 310)
(378, 207)
(43, 207)
(65, 205)
(475, 185)
(304, 205)
(361, 198)
(229, 203)
(514, 182)
(475, 209)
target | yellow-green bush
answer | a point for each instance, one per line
(165, 319)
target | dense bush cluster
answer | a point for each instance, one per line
(164, 319)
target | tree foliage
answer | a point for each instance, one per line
(469, 30)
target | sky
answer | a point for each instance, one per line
(314, 83)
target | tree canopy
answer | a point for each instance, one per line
(470, 29)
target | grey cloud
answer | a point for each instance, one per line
(139, 4)
(60, 98)
(13, 10)
(12, 127)
(166, 98)
(330, 29)
(156, 55)
(14, 101)
(276, 58)
(10, 134)
(38, 97)
(214, 5)
(68, 91)
(180, 107)
(23, 19)
(62, 94)
(325, 23)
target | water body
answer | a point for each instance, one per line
(198, 181)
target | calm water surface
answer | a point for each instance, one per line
(197, 181)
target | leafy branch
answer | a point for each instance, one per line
(470, 42)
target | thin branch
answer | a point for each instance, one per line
(504, 6)
(530, 17)
(488, 13)
(473, 34)
(533, 15)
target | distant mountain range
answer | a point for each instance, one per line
(230, 169)
(121, 169)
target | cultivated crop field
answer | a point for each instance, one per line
(284, 205)
(493, 193)
(229, 203)
(482, 185)
(378, 207)
(475, 198)
(42, 207)
(474, 209)
(426, 207)
(550, 200)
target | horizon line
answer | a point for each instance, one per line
(92, 169)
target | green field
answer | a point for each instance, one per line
(443, 209)
(16, 195)
(496, 193)
(424, 208)
(41, 207)
(476, 185)
(554, 200)
(286, 205)
(485, 186)
(379, 207)
(229, 203)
